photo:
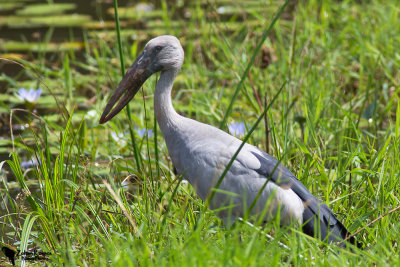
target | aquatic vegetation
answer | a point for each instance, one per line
(40, 47)
(335, 125)
(62, 20)
(45, 9)
(120, 138)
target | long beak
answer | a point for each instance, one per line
(130, 84)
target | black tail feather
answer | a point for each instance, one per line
(325, 225)
(318, 219)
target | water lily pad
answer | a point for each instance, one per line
(15, 1)
(52, 118)
(72, 20)
(4, 110)
(44, 47)
(4, 150)
(49, 105)
(135, 13)
(9, 6)
(128, 33)
(12, 56)
(9, 98)
(101, 25)
(245, 3)
(161, 24)
(44, 9)
(158, 28)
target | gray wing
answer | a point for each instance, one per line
(319, 220)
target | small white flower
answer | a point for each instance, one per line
(91, 114)
(119, 138)
(30, 96)
(143, 7)
(221, 10)
(237, 129)
(29, 163)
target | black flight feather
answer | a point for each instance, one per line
(318, 219)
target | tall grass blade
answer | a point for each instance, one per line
(128, 111)
(250, 64)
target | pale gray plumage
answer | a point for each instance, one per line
(201, 152)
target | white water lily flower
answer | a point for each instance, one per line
(237, 129)
(29, 163)
(145, 8)
(30, 96)
(144, 131)
(221, 10)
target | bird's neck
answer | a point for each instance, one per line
(165, 113)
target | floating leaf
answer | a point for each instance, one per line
(9, 6)
(135, 13)
(12, 56)
(36, 47)
(72, 20)
(44, 9)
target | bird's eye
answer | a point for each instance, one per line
(157, 49)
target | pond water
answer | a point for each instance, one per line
(24, 25)
(41, 34)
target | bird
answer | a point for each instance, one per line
(200, 152)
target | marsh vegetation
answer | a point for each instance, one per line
(75, 192)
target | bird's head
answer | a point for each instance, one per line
(160, 54)
(163, 52)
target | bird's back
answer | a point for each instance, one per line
(201, 152)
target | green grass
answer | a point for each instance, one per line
(335, 125)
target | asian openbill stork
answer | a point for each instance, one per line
(200, 152)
